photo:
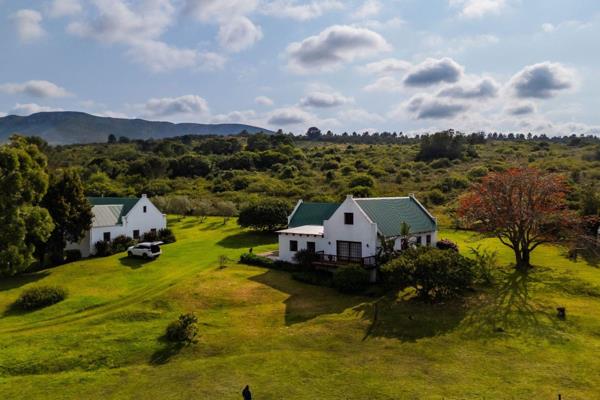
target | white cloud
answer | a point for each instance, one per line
(168, 106)
(28, 25)
(289, 116)
(35, 89)
(368, 9)
(423, 106)
(334, 46)
(64, 8)
(521, 109)
(478, 8)
(238, 34)
(112, 114)
(301, 12)
(3, 114)
(385, 84)
(211, 10)
(386, 66)
(391, 23)
(160, 57)
(264, 101)
(244, 116)
(31, 108)
(433, 71)
(542, 80)
(324, 100)
(482, 89)
(360, 115)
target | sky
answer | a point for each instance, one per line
(399, 65)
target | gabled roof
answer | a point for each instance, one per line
(107, 209)
(312, 214)
(389, 213)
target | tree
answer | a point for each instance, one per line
(112, 139)
(266, 215)
(313, 133)
(444, 144)
(23, 183)
(522, 207)
(70, 210)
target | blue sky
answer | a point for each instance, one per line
(397, 65)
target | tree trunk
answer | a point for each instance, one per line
(522, 258)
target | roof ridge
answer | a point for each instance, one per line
(382, 198)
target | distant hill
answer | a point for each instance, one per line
(67, 127)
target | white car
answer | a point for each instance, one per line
(145, 250)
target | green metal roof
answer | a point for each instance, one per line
(389, 213)
(312, 214)
(126, 204)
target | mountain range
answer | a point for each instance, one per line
(68, 127)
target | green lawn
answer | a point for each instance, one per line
(294, 341)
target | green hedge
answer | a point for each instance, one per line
(260, 261)
(40, 297)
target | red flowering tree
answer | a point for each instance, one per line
(522, 207)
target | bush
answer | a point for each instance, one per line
(183, 330)
(166, 235)
(266, 215)
(103, 248)
(434, 274)
(436, 197)
(121, 243)
(39, 297)
(259, 261)
(447, 244)
(361, 180)
(486, 262)
(72, 255)
(440, 163)
(305, 258)
(151, 236)
(317, 277)
(351, 279)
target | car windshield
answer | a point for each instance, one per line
(155, 248)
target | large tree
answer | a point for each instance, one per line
(70, 211)
(266, 215)
(23, 184)
(522, 207)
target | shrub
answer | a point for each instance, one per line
(103, 248)
(447, 244)
(72, 255)
(183, 330)
(436, 197)
(477, 172)
(121, 243)
(351, 279)
(486, 262)
(151, 236)
(440, 163)
(361, 191)
(361, 180)
(259, 261)
(305, 258)
(166, 235)
(317, 277)
(266, 215)
(39, 297)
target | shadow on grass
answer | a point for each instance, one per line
(15, 282)
(168, 351)
(247, 240)
(134, 262)
(305, 301)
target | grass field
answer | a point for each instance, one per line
(289, 340)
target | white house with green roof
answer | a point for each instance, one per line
(352, 231)
(115, 216)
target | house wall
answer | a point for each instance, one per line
(363, 230)
(422, 235)
(83, 246)
(284, 245)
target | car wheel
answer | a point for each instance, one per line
(145, 256)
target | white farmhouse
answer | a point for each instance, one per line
(115, 216)
(351, 232)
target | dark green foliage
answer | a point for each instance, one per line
(361, 180)
(183, 330)
(166, 235)
(258, 261)
(316, 277)
(72, 255)
(436, 197)
(121, 243)
(447, 244)
(103, 248)
(445, 144)
(440, 163)
(265, 215)
(219, 146)
(351, 279)
(150, 236)
(190, 166)
(39, 297)
(243, 160)
(361, 191)
(434, 274)
(305, 258)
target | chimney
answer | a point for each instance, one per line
(144, 196)
(349, 196)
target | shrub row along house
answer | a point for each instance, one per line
(116, 216)
(353, 231)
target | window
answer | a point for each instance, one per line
(419, 241)
(428, 240)
(349, 218)
(106, 236)
(293, 245)
(310, 246)
(145, 208)
(136, 234)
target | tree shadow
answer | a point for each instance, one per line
(211, 226)
(166, 352)
(410, 319)
(306, 302)
(247, 240)
(134, 262)
(17, 281)
(511, 309)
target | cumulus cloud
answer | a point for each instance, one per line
(433, 71)
(386, 66)
(64, 8)
(167, 106)
(31, 108)
(385, 84)
(478, 8)
(263, 101)
(324, 100)
(521, 109)
(35, 89)
(211, 10)
(425, 107)
(333, 46)
(484, 89)
(244, 116)
(368, 9)
(28, 24)
(301, 12)
(160, 57)
(289, 116)
(238, 34)
(542, 81)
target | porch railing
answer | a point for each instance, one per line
(334, 259)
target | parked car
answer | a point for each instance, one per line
(145, 250)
